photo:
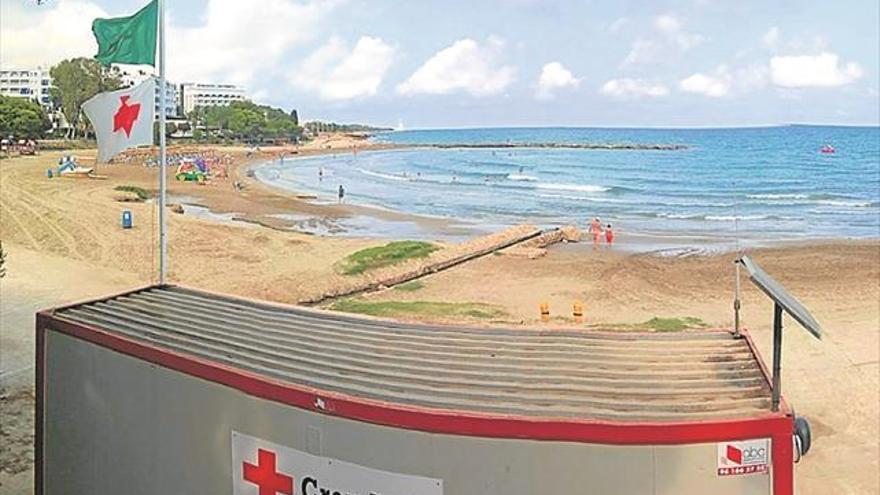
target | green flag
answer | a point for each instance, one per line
(128, 40)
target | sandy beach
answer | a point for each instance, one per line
(65, 243)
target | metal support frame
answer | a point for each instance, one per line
(737, 304)
(777, 356)
(163, 185)
(782, 302)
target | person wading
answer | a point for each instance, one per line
(596, 230)
(609, 235)
(341, 193)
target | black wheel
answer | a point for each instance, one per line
(802, 431)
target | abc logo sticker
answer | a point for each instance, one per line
(746, 457)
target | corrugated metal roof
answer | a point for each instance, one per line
(537, 373)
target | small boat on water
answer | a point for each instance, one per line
(827, 149)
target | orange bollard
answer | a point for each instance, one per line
(577, 310)
(545, 312)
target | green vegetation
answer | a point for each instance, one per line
(420, 308)
(22, 118)
(140, 192)
(410, 286)
(674, 324)
(316, 127)
(65, 144)
(245, 121)
(75, 81)
(389, 254)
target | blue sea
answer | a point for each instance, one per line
(750, 185)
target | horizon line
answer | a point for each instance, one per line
(633, 127)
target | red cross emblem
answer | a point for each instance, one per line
(265, 477)
(125, 115)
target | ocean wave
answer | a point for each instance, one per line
(825, 199)
(681, 216)
(847, 204)
(592, 199)
(383, 176)
(722, 218)
(572, 187)
(521, 177)
(778, 196)
(746, 218)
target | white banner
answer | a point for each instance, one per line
(260, 467)
(746, 457)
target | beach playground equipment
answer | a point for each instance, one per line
(185, 391)
(68, 167)
(192, 170)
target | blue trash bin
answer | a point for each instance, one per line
(126, 219)
(49, 173)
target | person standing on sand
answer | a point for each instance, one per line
(609, 235)
(596, 230)
(341, 193)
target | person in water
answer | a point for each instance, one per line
(341, 193)
(596, 230)
(321, 174)
(609, 235)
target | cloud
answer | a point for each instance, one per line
(337, 73)
(554, 76)
(771, 37)
(806, 71)
(239, 43)
(617, 25)
(633, 88)
(643, 51)
(715, 86)
(669, 38)
(667, 24)
(32, 35)
(724, 81)
(463, 66)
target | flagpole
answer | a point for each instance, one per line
(163, 228)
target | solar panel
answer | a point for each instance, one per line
(777, 292)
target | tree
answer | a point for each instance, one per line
(246, 121)
(76, 80)
(22, 118)
(294, 116)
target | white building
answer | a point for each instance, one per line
(33, 84)
(194, 95)
(172, 97)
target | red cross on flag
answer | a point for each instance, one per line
(122, 119)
